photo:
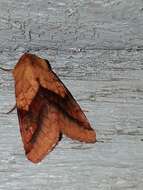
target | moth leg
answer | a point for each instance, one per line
(7, 70)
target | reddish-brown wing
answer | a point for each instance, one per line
(30, 73)
(39, 128)
(72, 121)
(46, 108)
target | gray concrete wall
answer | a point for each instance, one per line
(96, 48)
(87, 24)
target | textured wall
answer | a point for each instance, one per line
(96, 47)
(89, 24)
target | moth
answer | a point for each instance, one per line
(46, 109)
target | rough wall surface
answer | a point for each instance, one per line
(88, 24)
(96, 47)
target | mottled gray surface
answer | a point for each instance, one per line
(89, 24)
(95, 46)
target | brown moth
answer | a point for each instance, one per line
(46, 109)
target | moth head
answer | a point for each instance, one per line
(31, 60)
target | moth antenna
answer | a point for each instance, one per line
(11, 110)
(100, 141)
(7, 70)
